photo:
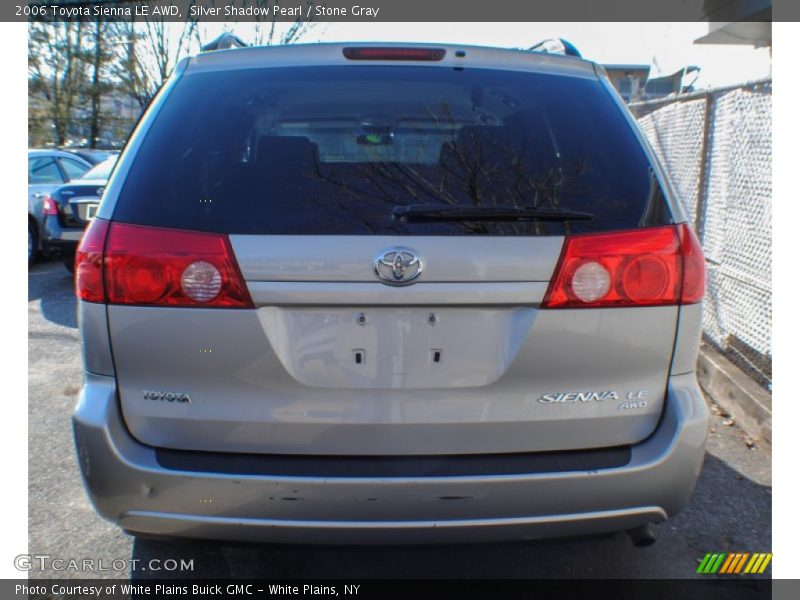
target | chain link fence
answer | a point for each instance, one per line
(717, 148)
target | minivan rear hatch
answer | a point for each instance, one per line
(397, 227)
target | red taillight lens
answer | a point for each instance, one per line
(49, 206)
(378, 53)
(645, 279)
(89, 262)
(168, 267)
(644, 267)
(694, 266)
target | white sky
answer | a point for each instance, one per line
(670, 44)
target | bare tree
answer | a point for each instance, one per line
(265, 32)
(57, 72)
(269, 34)
(147, 52)
(99, 83)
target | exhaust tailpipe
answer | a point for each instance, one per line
(642, 536)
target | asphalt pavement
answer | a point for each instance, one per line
(730, 510)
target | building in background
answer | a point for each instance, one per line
(634, 84)
(629, 80)
(742, 22)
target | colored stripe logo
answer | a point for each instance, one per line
(734, 563)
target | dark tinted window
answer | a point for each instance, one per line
(332, 150)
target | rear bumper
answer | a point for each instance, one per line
(127, 485)
(58, 238)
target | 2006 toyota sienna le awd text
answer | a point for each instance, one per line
(388, 293)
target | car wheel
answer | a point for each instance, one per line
(32, 244)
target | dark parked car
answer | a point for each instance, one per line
(69, 208)
(47, 169)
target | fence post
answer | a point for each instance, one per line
(700, 208)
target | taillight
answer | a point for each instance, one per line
(694, 266)
(379, 53)
(49, 206)
(169, 267)
(643, 267)
(131, 264)
(89, 262)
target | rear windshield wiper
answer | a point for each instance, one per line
(430, 213)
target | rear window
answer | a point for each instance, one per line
(43, 169)
(101, 170)
(333, 150)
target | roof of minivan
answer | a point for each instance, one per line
(331, 54)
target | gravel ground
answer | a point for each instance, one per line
(730, 509)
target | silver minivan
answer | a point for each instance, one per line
(389, 293)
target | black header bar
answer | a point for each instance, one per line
(369, 11)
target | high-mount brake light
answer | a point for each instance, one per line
(379, 53)
(131, 264)
(651, 266)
